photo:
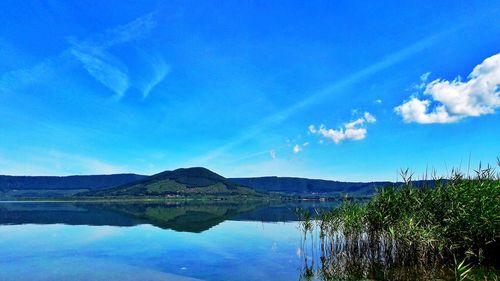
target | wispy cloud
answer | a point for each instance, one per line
(272, 153)
(55, 162)
(94, 56)
(83, 163)
(423, 81)
(8, 166)
(354, 130)
(449, 101)
(122, 33)
(160, 69)
(14, 80)
(100, 64)
(109, 74)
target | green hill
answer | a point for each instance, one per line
(192, 182)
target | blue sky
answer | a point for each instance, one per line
(342, 90)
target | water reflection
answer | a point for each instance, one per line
(189, 216)
(187, 241)
(154, 241)
(334, 256)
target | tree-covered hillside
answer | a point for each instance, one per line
(190, 182)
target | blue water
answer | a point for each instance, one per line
(232, 250)
(58, 242)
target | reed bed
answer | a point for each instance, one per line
(406, 227)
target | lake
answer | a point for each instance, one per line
(154, 241)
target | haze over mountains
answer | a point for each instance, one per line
(185, 182)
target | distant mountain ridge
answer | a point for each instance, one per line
(181, 181)
(12, 187)
(66, 182)
(304, 186)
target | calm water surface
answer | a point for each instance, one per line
(230, 241)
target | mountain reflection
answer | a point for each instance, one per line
(179, 216)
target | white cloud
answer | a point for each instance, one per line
(272, 153)
(378, 101)
(354, 130)
(369, 118)
(416, 110)
(355, 123)
(297, 149)
(449, 101)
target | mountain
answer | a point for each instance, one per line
(68, 182)
(302, 186)
(181, 182)
(185, 182)
(51, 186)
(315, 187)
